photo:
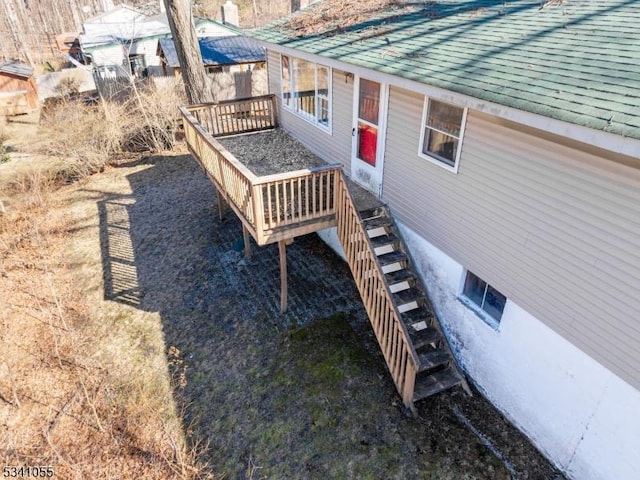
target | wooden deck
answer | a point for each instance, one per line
(284, 205)
(272, 207)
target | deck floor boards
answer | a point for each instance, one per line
(275, 151)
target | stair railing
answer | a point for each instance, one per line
(390, 331)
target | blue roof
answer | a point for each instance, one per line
(219, 51)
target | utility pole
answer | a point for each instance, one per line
(183, 30)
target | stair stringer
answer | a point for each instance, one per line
(438, 367)
(391, 333)
(421, 284)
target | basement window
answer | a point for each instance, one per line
(483, 298)
(306, 90)
(441, 136)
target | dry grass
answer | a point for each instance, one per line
(84, 387)
(90, 137)
(4, 136)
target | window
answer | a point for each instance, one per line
(484, 297)
(442, 133)
(368, 113)
(286, 80)
(137, 65)
(306, 89)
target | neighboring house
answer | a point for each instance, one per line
(126, 38)
(228, 53)
(18, 90)
(505, 137)
(205, 27)
(68, 44)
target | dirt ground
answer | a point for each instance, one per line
(301, 395)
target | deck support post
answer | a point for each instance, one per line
(220, 204)
(282, 247)
(247, 241)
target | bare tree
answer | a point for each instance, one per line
(188, 50)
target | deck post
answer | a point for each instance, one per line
(282, 247)
(274, 111)
(409, 386)
(247, 241)
(220, 204)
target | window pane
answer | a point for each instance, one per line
(304, 86)
(323, 80)
(494, 303)
(369, 103)
(367, 143)
(286, 79)
(444, 146)
(323, 111)
(445, 117)
(474, 288)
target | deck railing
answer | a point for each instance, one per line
(273, 207)
(390, 331)
(237, 116)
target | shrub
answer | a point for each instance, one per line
(4, 135)
(89, 137)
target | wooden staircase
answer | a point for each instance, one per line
(435, 369)
(277, 208)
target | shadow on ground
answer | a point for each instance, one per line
(298, 395)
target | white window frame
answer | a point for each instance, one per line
(432, 158)
(477, 309)
(313, 119)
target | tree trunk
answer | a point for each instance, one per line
(188, 50)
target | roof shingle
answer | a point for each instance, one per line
(571, 60)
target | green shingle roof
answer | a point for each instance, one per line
(571, 60)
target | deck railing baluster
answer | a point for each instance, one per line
(298, 184)
(313, 193)
(277, 195)
(269, 205)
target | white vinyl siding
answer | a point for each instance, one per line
(334, 146)
(109, 55)
(555, 229)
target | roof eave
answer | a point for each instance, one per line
(617, 143)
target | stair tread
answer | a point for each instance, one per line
(432, 359)
(409, 295)
(404, 275)
(434, 383)
(382, 240)
(422, 337)
(416, 315)
(377, 222)
(391, 257)
(371, 213)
